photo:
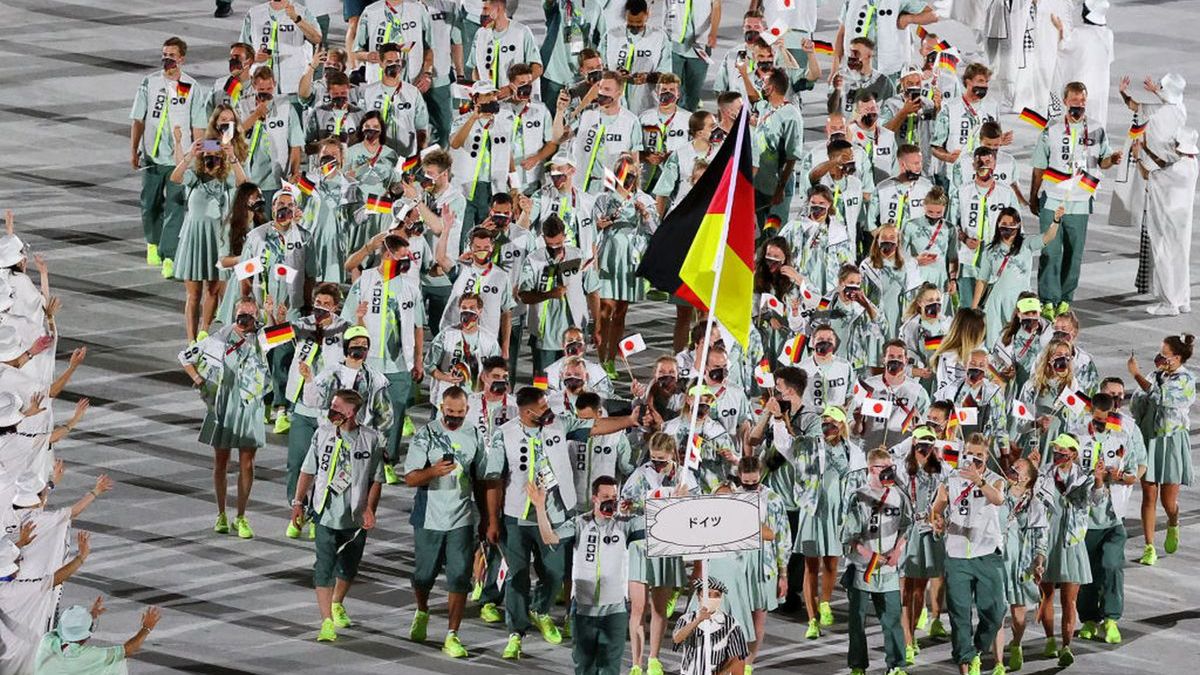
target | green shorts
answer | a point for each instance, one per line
(330, 563)
(453, 550)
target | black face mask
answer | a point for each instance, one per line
(415, 228)
(830, 428)
(894, 367)
(608, 507)
(320, 314)
(336, 418)
(853, 63)
(391, 70)
(717, 374)
(1030, 325)
(979, 92)
(666, 98)
(525, 91)
(211, 162)
(327, 159)
(848, 168)
(247, 321)
(468, 318)
(545, 419)
(603, 100)
(264, 97)
(750, 36)
(923, 448)
(909, 176)
(574, 348)
(868, 119)
(816, 212)
(258, 207)
(660, 464)
(403, 265)
(235, 65)
(338, 101)
(1076, 112)
(750, 487)
(357, 352)
(1060, 363)
(500, 219)
(932, 309)
(498, 387)
(773, 266)
(635, 30)
(887, 247)
(1160, 361)
(823, 347)
(702, 410)
(594, 76)
(370, 134)
(667, 383)
(887, 477)
(169, 64)
(283, 215)
(553, 252)
(1007, 232)
(974, 374)
(452, 422)
(572, 383)
(718, 135)
(492, 107)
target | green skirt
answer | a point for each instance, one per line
(763, 588)
(198, 251)
(655, 572)
(817, 534)
(617, 263)
(1066, 564)
(730, 569)
(1018, 589)
(234, 423)
(924, 556)
(1170, 459)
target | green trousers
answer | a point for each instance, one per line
(441, 110)
(398, 389)
(550, 91)
(974, 583)
(522, 546)
(1104, 598)
(163, 207)
(1058, 270)
(887, 608)
(515, 331)
(477, 206)
(599, 643)
(298, 442)
(691, 72)
(279, 362)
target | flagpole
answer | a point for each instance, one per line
(734, 166)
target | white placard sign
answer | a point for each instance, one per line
(702, 525)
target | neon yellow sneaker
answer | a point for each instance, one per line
(635, 670)
(489, 613)
(975, 667)
(168, 268)
(1171, 544)
(1063, 308)
(389, 475)
(857, 671)
(910, 655)
(937, 630)
(1065, 657)
(897, 671)
(293, 530)
(1048, 311)
(328, 631)
(671, 603)
(654, 667)
(923, 619)
(1016, 657)
(1051, 648)
(243, 527)
(1112, 635)
(152, 258)
(748, 670)
(512, 650)
(283, 422)
(409, 429)
(814, 630)
(418, 631)
(1149, 555)
(546, 625)
(826, 613)
(1088, 631)
(201, 335)
(453, 647)
(999, 669)
(340, 618)
(222, 526)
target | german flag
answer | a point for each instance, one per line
(950, 453)
(932, 343)
(793, 350)
(306, 186)
(410, 164)
(922, 32)
(1136, 130)
(388, 269)
(704, 249)
(773, 223)
(1054, 175)
(948, 61)
(541, 382)
(379, 204)
(183, 89)
(233, 89)
(943, 46)
(1113, 423)
(278, 334)
(824, 303)
(823, 47)
(1035, 118)
(872, 565)
(1089, 183)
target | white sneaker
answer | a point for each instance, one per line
(1159, 309)
(1185, 309)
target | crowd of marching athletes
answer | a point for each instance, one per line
(369, 225)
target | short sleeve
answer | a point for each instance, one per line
(140, 101)
(1040, 159)
(295, 130)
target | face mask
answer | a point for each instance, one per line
(848, 168)
(545, 419)
(750, 487)
(500, 219)
(923, 448)
(452, 422)
(887, 476)
(524, 92)
(468, 318)
(894, 367)
(574, 348)
(784, 404)
(246, 321)
(482, 256)
(560, 181)
(391, 70)
(1007, 232)
(403, 265)
(1061, 335)
(326, 159)
(1029, 324)
(718, 135)
(1061, 458)
(851, 291)
(635, 30)
(667, 383)
(702, 410)
(666, 98)
(773, 265)
(974, 374)
(234, 65)
(713, 605)
(553, 252)
(258, 207)
(594, 76)
(912, 93)
(868, 119)
(1076, 111)
(717, 374)
(1160, 361)
(264, 97)
(357, 352)
(336, 418)
(1060, 363)
(603, 100)
(823, 348)
(370, 134)
(830, 429)
(608, 507)
(573, 383)
(887, 247)
(498, 387)
(227, 129)
(211, 162)
(492, 107)
(283, 215)
(983, 172)
(853, 63)
(932, 309)
(750, 36)
(816, 212)
(979, 92)
(338, 101)
(319, 314)
(169, 64)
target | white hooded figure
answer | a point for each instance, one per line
(1162, 120)
(1086, 55)
(1170, 193)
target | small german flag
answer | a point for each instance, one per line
(824, 303)
(1113, 423)
(908, 420)
(379, 204)
(1136, 130)
(948, 61)
(950, 452)
(872, 565)
(921, 32)
(388, 269)
(1035, 118)
(183, 89)
(1054, 175)
(1088, 182)
(943, 46)
(823, 47)
(772, 223)
(793, 351)
(273, 336)
(306, 186)
(933, 342)
(410, 164)
(541, 382)
(233, 88)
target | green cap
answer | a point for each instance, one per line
(924, 434)
(700, 390)
(835, 413)
(1029, 305)
(355, 331)
(1066, 441)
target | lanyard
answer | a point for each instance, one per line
(162, 123)
(338, 120)
(592, 157)
(484, 152)
(866, 30)
(1003, 264)
(544, 310)
(387, 103)
(518, 134)
(479, 279)
(900, 210)
(936, 231)
(309, 361)
(981, 222)
(687, 17)
(337, 453)
(383, 314)
(496, 62)
(534, 444)
(254, 139)
(274, 43)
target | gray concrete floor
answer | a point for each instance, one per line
(67, 76)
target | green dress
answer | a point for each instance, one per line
(890, 289)
(1066, 498)
(822, 472)
(204, 237)
(924, 554)
(1162, 414)
(1025, 527)
(234, 369)
(622, 244)
(1009, 275)
(329, 217)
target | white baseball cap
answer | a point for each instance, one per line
(12, 250)
(28, 490)
(1172, 85)
(482, 87)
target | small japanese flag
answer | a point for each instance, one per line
(859, 392)
(633, 344)
(284, 272)
(876, 407)
(807, 297)
(769, 301)
(658, 493)
(1072, 399)
(502, 574)
(514, 180)
(1022, 411)
(693, 455)
(432, 148)
(774, 33)
(764, 379)
(248, 268)
(967, 415)
(289, 188)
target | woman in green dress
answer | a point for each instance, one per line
(1006, 268)
(1053, 380)
(328, 211)
(249, 210)
(1162, 415)
(889, 279)
(1017, 350)
(919, 474)
(372, 165)
(209, 173)
(1023, 519)
(777, 277)
(925, 326)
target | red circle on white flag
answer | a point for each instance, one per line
(776, 31)
(878, 407)
(1070, 400)
(280, 272)
(248, 266)
(628, 345)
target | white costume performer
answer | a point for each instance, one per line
(1170, 193)
(1086, 55)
